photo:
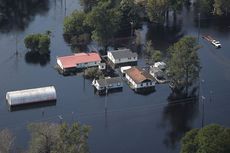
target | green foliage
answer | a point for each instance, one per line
(6, 141)
(38, 43)
(75, 27)
(176, 4)
(72, 139)
(156, 10)
(157, 56)
(93, 73)
(210, 139)
(183, 64)
(216, 7)
(221, 7)
(104, 19)
(88, 4)
(149, 48)
(130, 13)
(58, 138)
(44, 137)
(205, 6)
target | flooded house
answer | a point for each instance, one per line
(109, 84)
(140, 80)
(122, 57)
(78, 61)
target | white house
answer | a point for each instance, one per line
(139, 79)
(108, 83)
(78, 61)
(122, 57)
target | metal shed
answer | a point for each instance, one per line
(30, 96)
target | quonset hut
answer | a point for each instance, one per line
(30, 96)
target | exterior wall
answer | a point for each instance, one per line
(90, 64)
(134, 85)
(122, 60)
(59, 64)
(125, 60)
(110, 56)
(110, 86)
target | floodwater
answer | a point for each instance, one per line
(133, 123)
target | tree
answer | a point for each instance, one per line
(183, 63)
(93, 73)
(58, 138)
(210, 139)
(104, 19)
(88, 4)
(44, 137)
(156, 10)
(129, 13)
(75, 27)
(151, 53)
(6, 141)
(221, 7)
(39, 43)
(157, 56)
(72, 139)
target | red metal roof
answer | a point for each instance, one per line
(72, 60)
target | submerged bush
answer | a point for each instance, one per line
(38, 43)
(93, 73)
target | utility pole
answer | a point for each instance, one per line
(203, 115)
(131, 34)
(16, 44)
(198, 27)
(106, 98)
(65, 8)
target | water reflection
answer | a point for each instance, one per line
(163, 36)
(36, 58)
(17, 14)
(33, 106)
(179, 114)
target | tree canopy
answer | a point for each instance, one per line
(104, 19)
(38, 43)
(58, 138)
(156, 10)
(210, 139)
(183, 63)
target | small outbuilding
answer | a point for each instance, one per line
(31, 96)
(160, 65)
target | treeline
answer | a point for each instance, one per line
(104, 20)
(49, 138)
(213, 7)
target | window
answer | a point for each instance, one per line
(147, 83)
(129, 58)
(95, 62)
(134, 57)
(119, 59)
(141, 84)
(150, 83)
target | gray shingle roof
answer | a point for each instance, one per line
(107, 81)
(123, 53)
